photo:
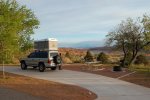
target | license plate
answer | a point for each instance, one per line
(52, 64)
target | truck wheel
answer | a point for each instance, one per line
(41, 67)
(53, 68)
(23, 65)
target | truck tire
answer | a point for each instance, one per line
(53, 68)
(41, 67)
(57, 59)
(23, 65)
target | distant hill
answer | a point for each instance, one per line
(84, 44)
(108, 50)
(101, 49)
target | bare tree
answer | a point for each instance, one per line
(131, 37)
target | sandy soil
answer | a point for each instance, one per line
(45, 89)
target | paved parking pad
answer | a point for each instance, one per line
(106, 88)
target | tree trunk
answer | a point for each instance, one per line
(123, 61)
(134, 53)
(124, 58)
(133, 58)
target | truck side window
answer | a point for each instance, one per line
(32, 55)
(43, 55)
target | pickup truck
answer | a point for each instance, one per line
(42, 60)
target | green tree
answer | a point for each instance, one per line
(131, 36)
(88, 57)
(102, 57)
(16, 27)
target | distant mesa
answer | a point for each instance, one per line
(84, 44)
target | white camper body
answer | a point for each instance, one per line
(46, 44)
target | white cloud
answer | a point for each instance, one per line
(66, 17)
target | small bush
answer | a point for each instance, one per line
(88, 57)
(76, 59)
(141, 59)
(67, 55)
(66, 60)
(102, 57)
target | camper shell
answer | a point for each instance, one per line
(46, 44)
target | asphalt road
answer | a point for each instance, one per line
(106, 88)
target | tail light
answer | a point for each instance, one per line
(49, 61)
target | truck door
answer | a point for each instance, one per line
(30, 60)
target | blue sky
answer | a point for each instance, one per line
(82, 20)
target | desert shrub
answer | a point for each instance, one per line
(141, 59)
(88, 57)
(66, 60)
(76, 59)
(68, 55)
(102, 57)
